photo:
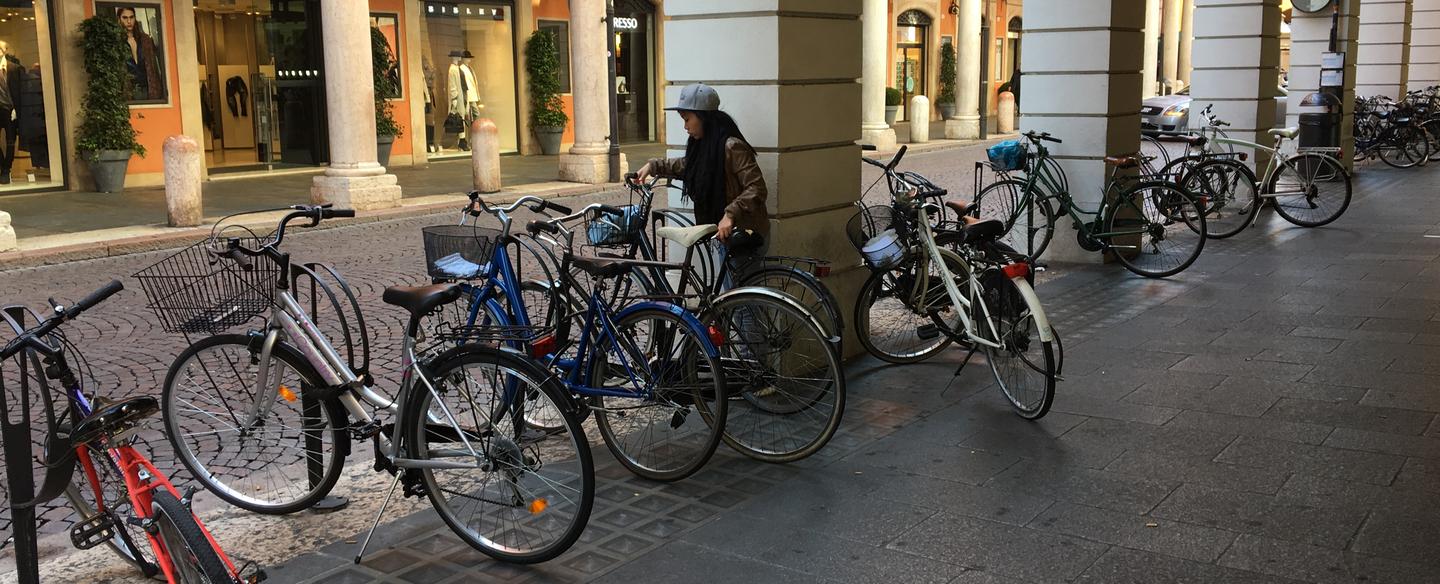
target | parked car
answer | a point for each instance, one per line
(1169, 114)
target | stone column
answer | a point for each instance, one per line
(1309, 37)
(586, 161)
(1383, 61)
(966, 125)
(791, 88)
(1237, 66)
(1082, 74)
(1424, 44)
(1170, 36)
(1151, 64)
(354, 179)
(184, 171)
(876, 24)
(1187, 41)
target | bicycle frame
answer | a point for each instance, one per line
(1276, 162)
(1049, 176)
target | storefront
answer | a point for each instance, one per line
(635, 87)
(30, 154)
(912, 56)
(468, 59)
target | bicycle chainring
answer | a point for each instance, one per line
(1085, 240)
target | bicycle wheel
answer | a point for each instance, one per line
(1432, 132)
(673, 422)
(279, 462)
(1228, 192)
(1310, 189)
(515, 493)
(1155, 229)
(898, 322)
(193, 558)
(805, 288)
(1024, 227)
(786, 385)
(129, 541)
(1406, 147)
(1025, 364)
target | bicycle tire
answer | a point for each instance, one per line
(1155, 220)
(193, 556)
(785, 379)
(692, 441)
(1432, 131)
(1000, 199)
(1228, 189)
(1014, 309)
(1406, 148)
(804, 287)
(915, 343)
(556, 463)
(1312, 170)
(239, 490)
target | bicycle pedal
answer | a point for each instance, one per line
(92, 532)
(927, 332)
(678, 419)
(253, 577)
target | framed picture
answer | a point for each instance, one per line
(389, 27)
(145, 39)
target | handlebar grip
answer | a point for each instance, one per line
(538, 226)
(1047, 137)
(94, 298)
(562, 209)
(239, 257)
(632, 177)
(336, 213)
(871, 162)
(898, 155)
(933, 193)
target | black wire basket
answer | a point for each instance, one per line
(195, 291)
(458, 252)
(875, 233)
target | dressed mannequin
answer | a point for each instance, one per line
(429, 71)
(12, 80)
(472, 96)
(456, 89)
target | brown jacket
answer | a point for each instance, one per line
(745, 192)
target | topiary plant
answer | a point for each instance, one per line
(383, 63)
(892, 97)
(543, 68)
(105, 107)
(947, 73)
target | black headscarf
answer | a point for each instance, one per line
(705, 170)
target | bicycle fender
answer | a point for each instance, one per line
(691, 322)
(1028, 293)
(777, 296)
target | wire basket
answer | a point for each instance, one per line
(875, 233)
(194, 291)
(610, 230)
(458, 252)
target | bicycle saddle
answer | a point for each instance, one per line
(1286, 133)
(420, 300)
(1192, 139)
(958, 207)
(983, 232)
(1129, 161)
(745, 241)
(685, 236)
(112, 417)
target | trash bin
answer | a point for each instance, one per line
(1320, 125)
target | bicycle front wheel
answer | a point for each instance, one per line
(1228, 192)
(274, 453)
(193, 558)
(1029, 225)
(786, 386)
(668, 402)
(517, 493)
(1310, 190)
(1025, 363)
(1155, 229)
(906, 316)
(1406, 147)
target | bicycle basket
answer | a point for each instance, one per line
(458, 251)
(1008, 155)
(194, 291)
(873, 231)
(610, 229)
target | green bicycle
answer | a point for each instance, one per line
(1152, 227)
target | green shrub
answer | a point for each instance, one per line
(105, 107)
(947, 73)
(383, 64)
(892, 97)
(543, 68)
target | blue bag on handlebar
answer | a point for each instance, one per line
(611, 229)
(1007, 155)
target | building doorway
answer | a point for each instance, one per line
(912, 35)
(635, 70)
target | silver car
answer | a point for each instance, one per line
(1168, 114)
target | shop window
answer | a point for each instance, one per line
(29, 132)
(561, 29)
(467, 56)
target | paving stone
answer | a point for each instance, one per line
(1419, 398)
(1231, 365)
(1177, 440)
(1261, 515)
(1085, 486)
(1402, 531)
(1235, 396)
(1201, 470)
(1273, 429)
(1012, 506)
(685, 562)
(1104, 408)
(1354, 465)
(949, 462)
(1314, 564)
(998, 548)
(1416, 446)
(1396, 421)
(1193, 542)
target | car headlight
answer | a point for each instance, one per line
(1176, 111)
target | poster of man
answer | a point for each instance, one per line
(144, 37)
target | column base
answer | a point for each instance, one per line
(880, 138)
(590, 169)
(7, 234)
(361, 193)
(963, 128)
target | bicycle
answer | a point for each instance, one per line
(121, 498)
(1386, 129)
(1154, 228)
(265, 419)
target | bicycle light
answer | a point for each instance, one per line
(717, 336)
(822, 271)
(1017, 270)
(543, 346)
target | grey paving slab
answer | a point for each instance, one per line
(1353, 465)
(1127, 566)
(999, 548)
(1416, 446)
(992, 502)
(1261, 515)
(1084, 486)
(686, 562)
(1235, 396)
(1363, 417)
(1323, 566)
(1200, 470)
(1245, 426)
(1204, 544)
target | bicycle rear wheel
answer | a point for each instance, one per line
(193, 558)
(786, 386)
(1407, 147)
(1155, 229)
(1310, 190)
(1025, 364)
(517, 493)
(1228, 192)
(673, 421)
(805, 288)
(1028, 230)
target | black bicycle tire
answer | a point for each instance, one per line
(1349, 190)
(1432, 129)
(1042, 212)
(1048, 351)
(1248, 176)
(1109, 213)
(207, 559)
(1398, 140)
(332, 409)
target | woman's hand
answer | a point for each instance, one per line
(644, 173)
(726, 227)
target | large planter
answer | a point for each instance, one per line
(947, 110)
(891, 112)
(109, 167)
(383, 145)
(549, 138)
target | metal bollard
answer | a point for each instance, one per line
(485, 155)
(7, 234)
(919, 114)
(182, 181)
(1005, 106)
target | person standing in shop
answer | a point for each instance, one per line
(12, 81)
(144, 62)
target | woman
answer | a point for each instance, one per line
(721, 177)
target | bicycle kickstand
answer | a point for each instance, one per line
(968, 354)
(378, 514)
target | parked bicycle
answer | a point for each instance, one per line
(1390, 130)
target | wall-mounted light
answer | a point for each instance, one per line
(954, 7)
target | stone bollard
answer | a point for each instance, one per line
(1005, 107)
(7, 234)
(485, 155)
(182, 181)
(919, 114)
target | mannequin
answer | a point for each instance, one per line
(472, 96)
(456, 90)
(429, 72)
(12, 79)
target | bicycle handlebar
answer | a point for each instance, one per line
(315, 213)
(556, 224)
(1036, 136)
(31, 337)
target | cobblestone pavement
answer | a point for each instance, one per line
(1267, 416)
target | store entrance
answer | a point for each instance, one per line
(262, 84)
(634, 67)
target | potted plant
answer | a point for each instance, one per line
(947, 81)
(547, 111)
(105, 139)
(892, 105)
(386, 86)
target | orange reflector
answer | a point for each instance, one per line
(717, 336)
(538, 506)
(287, 394)
(543, 346)
(1016, 270)
(822, 271)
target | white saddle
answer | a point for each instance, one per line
(1286, 133)
(685, 236)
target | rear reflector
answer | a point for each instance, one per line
(1016, 270)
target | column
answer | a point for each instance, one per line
(1237, 66)
(354, 179)
(1151, 64)
(1170, 36)
(791, 86)
(1187, 42)
(876, 38)
(1082, 74)
(966, 126)
(1424, 44)
(587, 161)
(1309, 37)
(1383, 61)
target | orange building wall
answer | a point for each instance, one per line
(400, 107)
(552, 10)
(155, 122)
